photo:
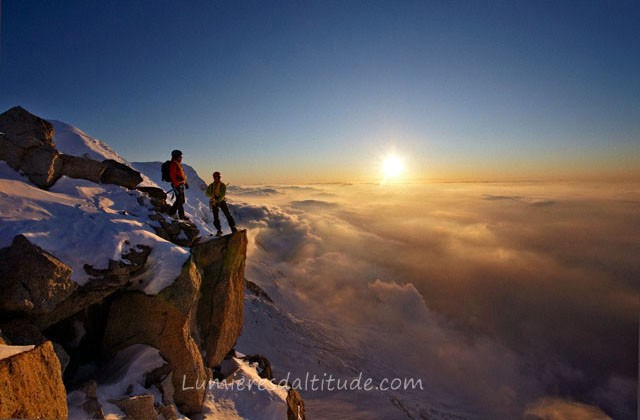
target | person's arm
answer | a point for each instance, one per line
(209, 191)
(184, 177)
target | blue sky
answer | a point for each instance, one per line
(320, 91)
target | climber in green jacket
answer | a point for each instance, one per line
(216, 191)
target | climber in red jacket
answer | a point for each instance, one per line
(179, 183)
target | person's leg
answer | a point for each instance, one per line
(216, 218)
(174, 206)
(227, 214)
(180, 202)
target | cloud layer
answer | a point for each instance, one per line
(527, 290)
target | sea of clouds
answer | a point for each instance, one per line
(505, 299)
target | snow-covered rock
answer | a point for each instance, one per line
(107, 237)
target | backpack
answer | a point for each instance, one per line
(166, 177)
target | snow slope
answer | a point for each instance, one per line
(73, 141)
(75, 215)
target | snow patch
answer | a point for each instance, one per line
(7, 351)
(245, 395)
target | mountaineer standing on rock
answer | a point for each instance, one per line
(216, 191)
(179, 183)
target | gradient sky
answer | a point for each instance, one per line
(322, 90)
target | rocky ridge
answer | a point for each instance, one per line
(194, 322)
(26, 144)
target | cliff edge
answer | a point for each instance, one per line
(108, 304)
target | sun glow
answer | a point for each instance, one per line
(392, 167)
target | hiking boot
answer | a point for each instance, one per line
(219, 233)
(233, 229)
(185, 218)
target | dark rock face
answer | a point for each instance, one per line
(199, 314)
(119, 273)
(177, 231)
(137, 407)
(32, 281)
(22, 332)
(295, 406)
(257, 290)
(37, 286)
(10, 152)
(168, 412)
(264, 365)
(42, 165)
(27, 145)
(25, 130)
(164, 322)
(194, 322)
(120, 174)
(91, 406)
(154, 193)
(82, 168)
(220, 310)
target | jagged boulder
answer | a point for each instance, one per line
(35, 284)
(137, 407)
(158, 198)
(164, 321)
(120, 273)
(167, 411)
(23, 332)
(154, 193)
(200, 311)
(263, 365)
(91, 406)
(295, 405)
(26, 144)
(82, 168)
(42, 165)
(257, 290)
(31, 385)
(26, 130)
(162, 379)
(10, 152)
(221, 305)
(32, 281)
(177, 231)
(120, 174)
(104, 282)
